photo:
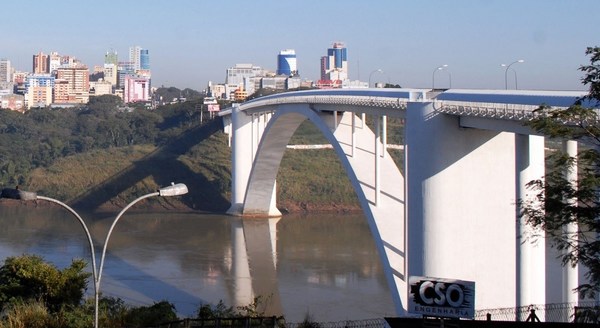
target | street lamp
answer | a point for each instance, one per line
(439, 68)
(506, 73)
(172, 190)
(370, 75)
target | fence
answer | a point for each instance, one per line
(584, 312)
(557, 312)
(243, 322)
(270, 322)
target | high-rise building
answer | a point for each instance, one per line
(324, 75)
(5, 71)
(61, 92)
(100, 87)
(286, 63)
(77, 77)
(20, 79)
(111, 74)
(237, 74)
(111, 57)
(39, 90)
(136, 89)
(40, 63)
(139, 57)
(54, 62)
(124, 69)
(144, 59)
(337, 62)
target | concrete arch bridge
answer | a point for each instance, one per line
(453, 212)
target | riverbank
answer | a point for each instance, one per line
(180, 207)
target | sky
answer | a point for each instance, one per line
(192, 42)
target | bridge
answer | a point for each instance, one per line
(451, 211)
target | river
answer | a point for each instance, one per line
(322, 265)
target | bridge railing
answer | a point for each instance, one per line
(516, 112)
(366, 101)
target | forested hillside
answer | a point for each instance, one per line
(105, 154)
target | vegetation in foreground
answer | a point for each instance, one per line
(34, 293)
(565, 210)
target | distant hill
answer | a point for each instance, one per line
(100, 157)
(205, 168)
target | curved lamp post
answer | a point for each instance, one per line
(506, 73)
(439, 68)
(172, 190)
(375, 71)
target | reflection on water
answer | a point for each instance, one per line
(323, 265)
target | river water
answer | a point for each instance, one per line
(325, 266)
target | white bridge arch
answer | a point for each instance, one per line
(468, 157)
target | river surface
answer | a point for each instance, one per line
(324, 266)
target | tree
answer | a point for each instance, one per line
(554, 207)
(389, 85)
(28, 278)
(146, 316)
(110, 102)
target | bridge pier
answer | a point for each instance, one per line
(461, 206)
(246, 130)
(241, 157)
(570, 276)
(530, 243)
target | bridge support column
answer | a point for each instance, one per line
(461, 203)
(531, 250)
(570, 275)
(242, 156)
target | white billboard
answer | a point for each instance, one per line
(438, 297)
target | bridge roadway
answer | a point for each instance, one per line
(453, 214)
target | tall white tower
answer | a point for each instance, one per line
(135, 57)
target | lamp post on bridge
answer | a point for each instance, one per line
(506, 73)
(439, 68)
(172, 190)
(375, 71)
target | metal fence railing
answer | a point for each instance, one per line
(368, 323)
(270, 322)
(555, 312)
(584, 312)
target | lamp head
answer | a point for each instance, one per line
(173, 190)
(16, 193)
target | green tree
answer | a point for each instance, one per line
(554, 208)
(147, 316)
(109, 102)
(28, 278)
(390, 85)
(210, 311)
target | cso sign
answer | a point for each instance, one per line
(438, 297)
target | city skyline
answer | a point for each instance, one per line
(193, 42)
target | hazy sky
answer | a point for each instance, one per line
(194, 41)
